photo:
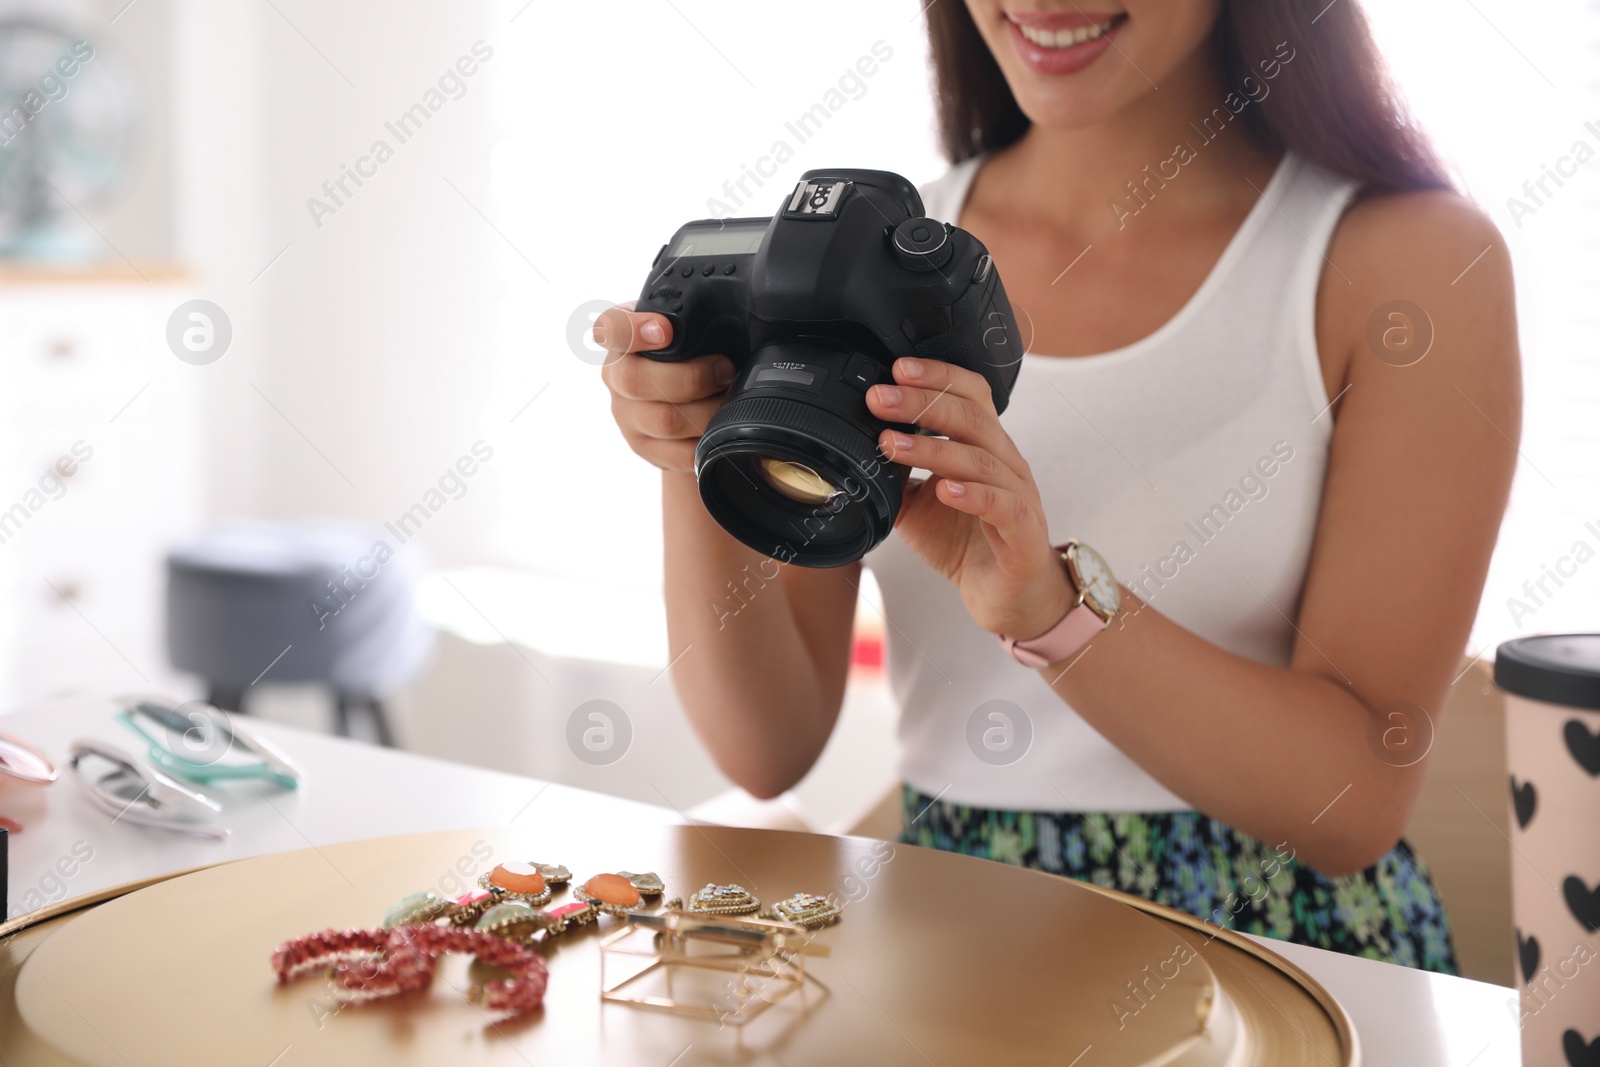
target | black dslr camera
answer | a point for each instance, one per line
(813, 306)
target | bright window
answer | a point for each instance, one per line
(608, 147)
(1507, 96)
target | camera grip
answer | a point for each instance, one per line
(981, 338)
(708, 314)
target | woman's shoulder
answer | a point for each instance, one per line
(1378, 225)
(1433, 262)
(1433, 247)
(1396, 233)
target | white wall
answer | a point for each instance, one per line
(358, 364)
(616, 131)
(408, 325)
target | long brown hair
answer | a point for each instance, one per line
(1335, 106)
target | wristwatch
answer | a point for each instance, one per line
(1099, 597)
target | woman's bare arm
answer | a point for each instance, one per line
(763, 649)
(1419, 472)
(760, 651)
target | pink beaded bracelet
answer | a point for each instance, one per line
(379, 963)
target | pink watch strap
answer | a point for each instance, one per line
(1062, 640)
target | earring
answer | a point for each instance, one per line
(808, 910)
(554, 873)
(560, 920)
(611, 893)
(424, 907)
(723, 900)
(521, 882)
(649, 882)
(512, 921)
(466, 909)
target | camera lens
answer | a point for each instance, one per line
(790, 464)
(797, 481)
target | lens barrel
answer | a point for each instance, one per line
(794, 406)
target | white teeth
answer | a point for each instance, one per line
(1066, 38)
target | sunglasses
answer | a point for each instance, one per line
(131, 790)
(198, 742)
(22, 763)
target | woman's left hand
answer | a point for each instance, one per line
(978, 520)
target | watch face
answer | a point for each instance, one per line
(1094, 577)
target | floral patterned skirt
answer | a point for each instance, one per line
(1185, 860)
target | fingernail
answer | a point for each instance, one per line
(888, 395)
(725, 371)
(902, 442)
(955, 488)
(911, 368)
(651, 333)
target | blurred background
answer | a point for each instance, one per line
(283, 281)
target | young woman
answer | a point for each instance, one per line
(1273, 380)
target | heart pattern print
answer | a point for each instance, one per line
(1553, 797)
(1528, 956)
(1524, 801)
(1584, 746)
(1583, 902)
(1580, 1053)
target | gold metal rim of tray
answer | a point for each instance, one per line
(20, 936)
(1343, 1025)
(89, 900)
(38, 923)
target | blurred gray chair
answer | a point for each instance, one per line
(317, 600)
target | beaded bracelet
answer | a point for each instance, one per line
(377, 963)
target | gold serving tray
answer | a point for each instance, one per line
(939, 958)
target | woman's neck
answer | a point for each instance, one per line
(1076, 179)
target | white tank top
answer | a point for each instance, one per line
(1192, 460)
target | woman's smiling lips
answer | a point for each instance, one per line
(1062, 42)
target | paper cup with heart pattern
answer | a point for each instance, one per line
(1552, 685)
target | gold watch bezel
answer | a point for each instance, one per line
(1069, 558)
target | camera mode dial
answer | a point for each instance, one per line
(922, 244)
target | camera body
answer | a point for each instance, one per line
(814, 305)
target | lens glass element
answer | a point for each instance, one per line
(797, 481)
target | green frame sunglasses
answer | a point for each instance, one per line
(193, 741)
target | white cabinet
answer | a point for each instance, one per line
(97, 475)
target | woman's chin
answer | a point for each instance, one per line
(1056, 107)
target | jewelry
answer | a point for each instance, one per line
(423, 907)
(554, 873)
(611, 893)
(1098, 600)
(512, 921)
(723, 900)
(808, 910)
(559, 920)
(521, 882)
(465, 909)
(649, 882)
(376, 963)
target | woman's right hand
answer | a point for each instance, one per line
(662, 408)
